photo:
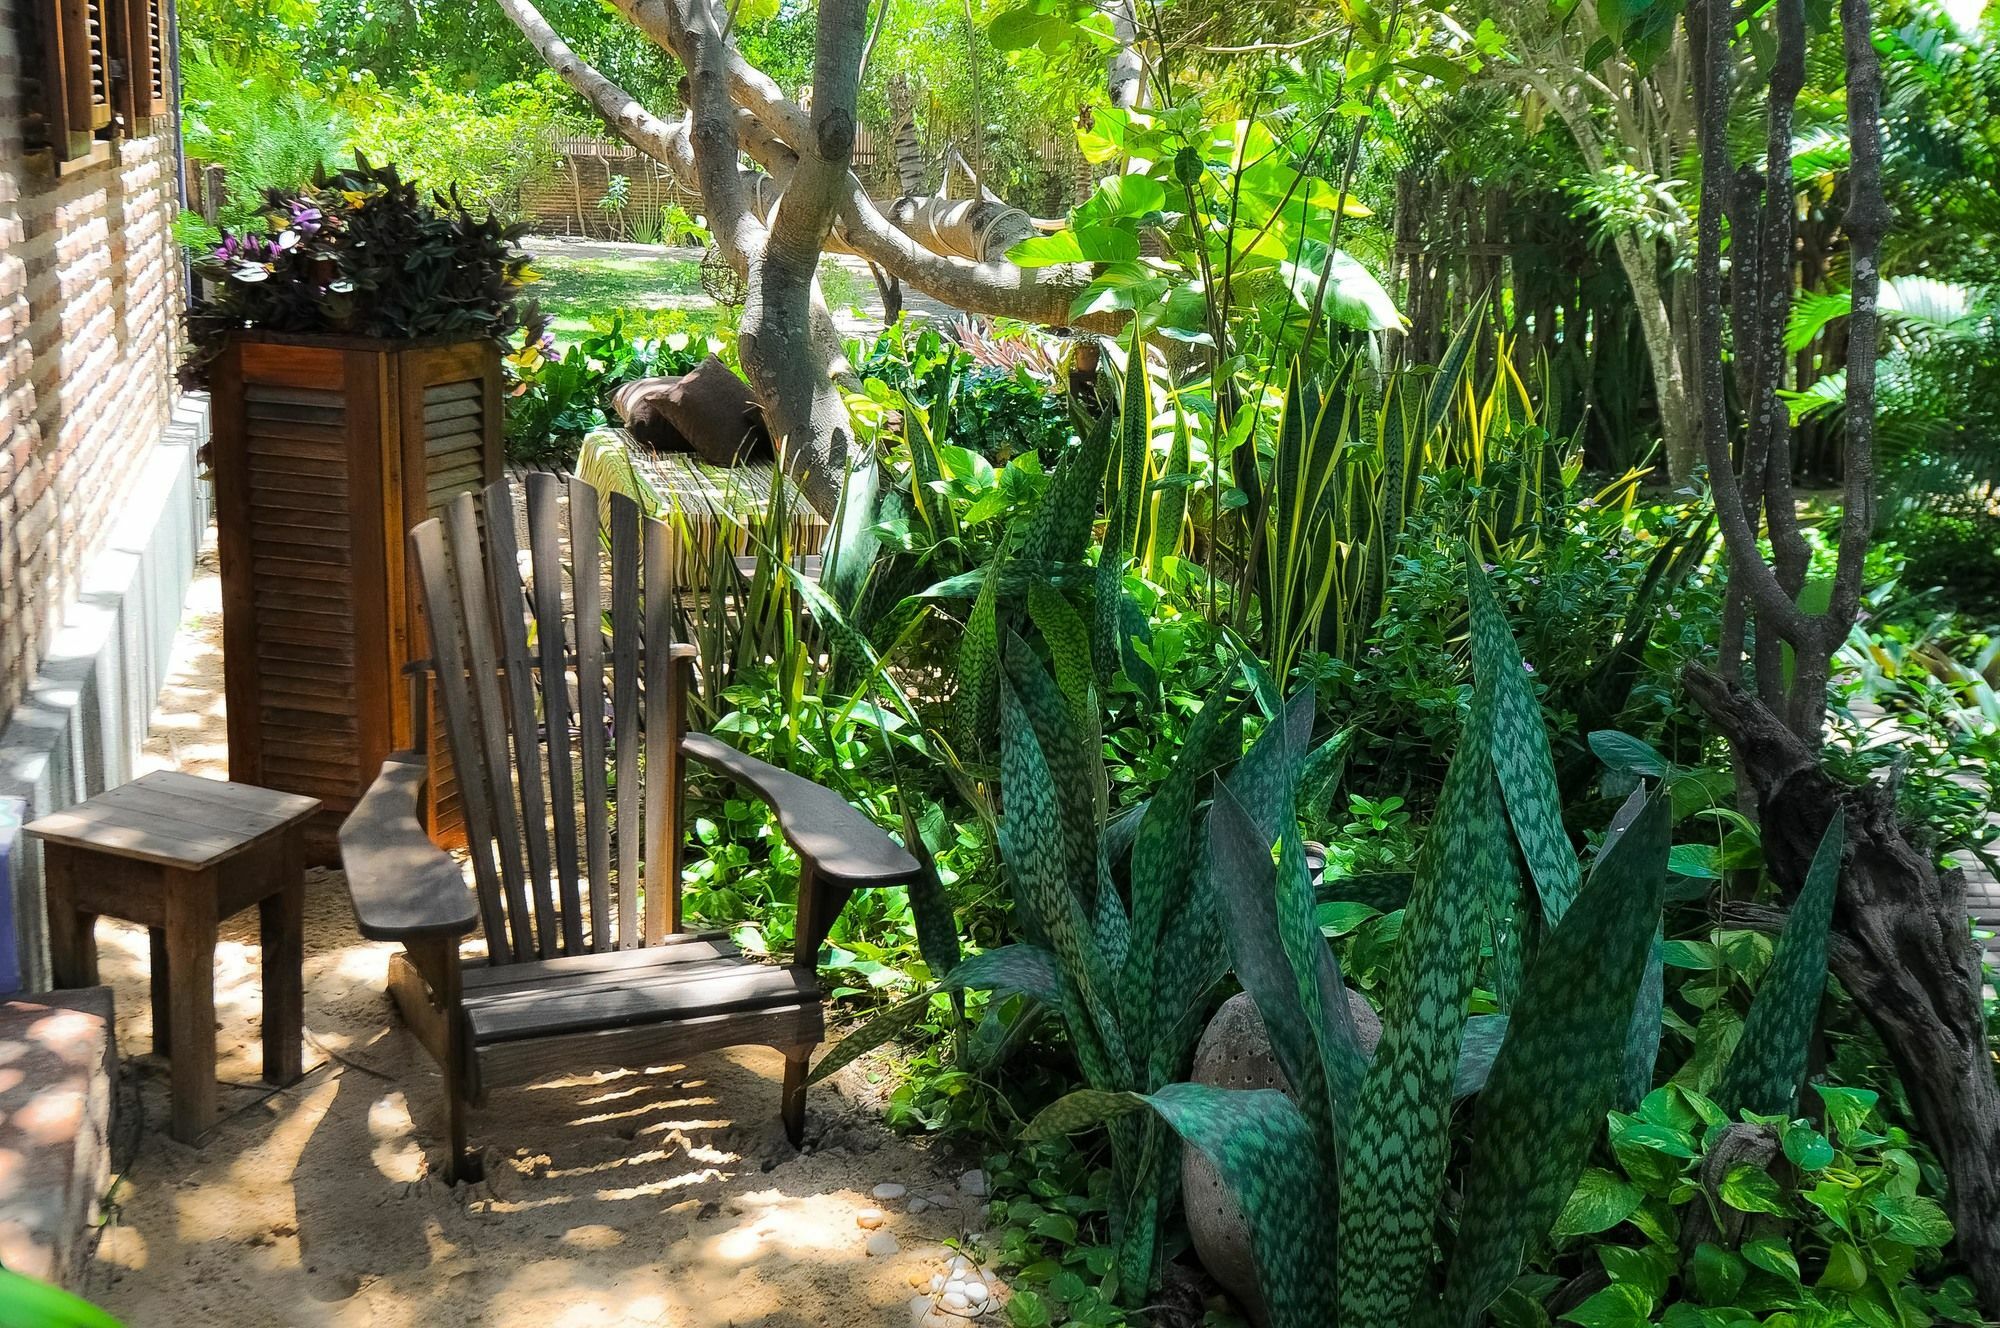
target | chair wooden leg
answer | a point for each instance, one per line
(793, 1105)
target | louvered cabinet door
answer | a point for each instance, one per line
(450, 401)
(325, 452)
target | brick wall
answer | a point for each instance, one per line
(90, 293)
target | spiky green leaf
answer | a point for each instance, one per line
(1769, 1062)
(1021, 967)
(1559, 1067)
(1521, 756)
(1058, 530)
(1400, 1138)
(1083, 1109)
(879, 1028)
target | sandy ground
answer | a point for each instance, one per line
(666, 1196)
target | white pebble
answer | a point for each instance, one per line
(960, 1264)
(889, 1192)
(973, 1183)
(920, 1308)
(868, 1218)
(937, 1283)
(955, 1300)
(975, 1292)
(883, 1243)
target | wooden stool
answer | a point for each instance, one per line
(179, 854)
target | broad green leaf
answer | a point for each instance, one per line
(1559, 1068)
(1616, 1306)
(1764, 1072)
(1718, 1273)
(1601, 1200)
(25, 1301)
(1805, 1147)
(1092, 244)
(1526, 770)
(1623, 752)
(1913, 1219)
(1751, 1189)
(1773, 1254)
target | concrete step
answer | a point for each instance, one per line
(58, 1076)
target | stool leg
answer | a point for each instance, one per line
(281, 928)
(191, 899)
(163, 1005)
(72, 935)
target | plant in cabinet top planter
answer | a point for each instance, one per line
(353, 350)
(360, 254)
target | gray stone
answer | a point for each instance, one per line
(888, 1192)
(1235, 1052)
(973, 1184)
(882, 1244)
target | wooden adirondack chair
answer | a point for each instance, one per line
(573, 809)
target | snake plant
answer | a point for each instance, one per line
(1341, 1181)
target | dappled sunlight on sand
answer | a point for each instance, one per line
(664, 1196)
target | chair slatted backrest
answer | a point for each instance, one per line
(563, 720)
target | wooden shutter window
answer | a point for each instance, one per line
(143, 50)
(77, 39)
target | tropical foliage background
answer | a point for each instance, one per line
(1318, 633)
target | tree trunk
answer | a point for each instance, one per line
(1904, 951)
(1678, 426)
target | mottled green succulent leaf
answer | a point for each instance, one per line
(879, 1028)
(1071, 764)
(1484, 1034)
(1262, 1148)
(1245, 882)
(976, 704)
(1058, 530)
(1068, 640)
(1034, 847)
(1765, 1070)
(1283, 923)
(1559, 1067)
(1083, 1109)
(1642, 1038)
(1027, 969)
(1521, 756)
(1162, 874)
(1400, 1139)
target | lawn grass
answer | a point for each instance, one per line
(574, 291)
(578, 293)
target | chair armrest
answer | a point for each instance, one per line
(402, 886)
(836, 840)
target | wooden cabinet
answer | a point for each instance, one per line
(326, 451)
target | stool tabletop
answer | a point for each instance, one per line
(174, 819)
